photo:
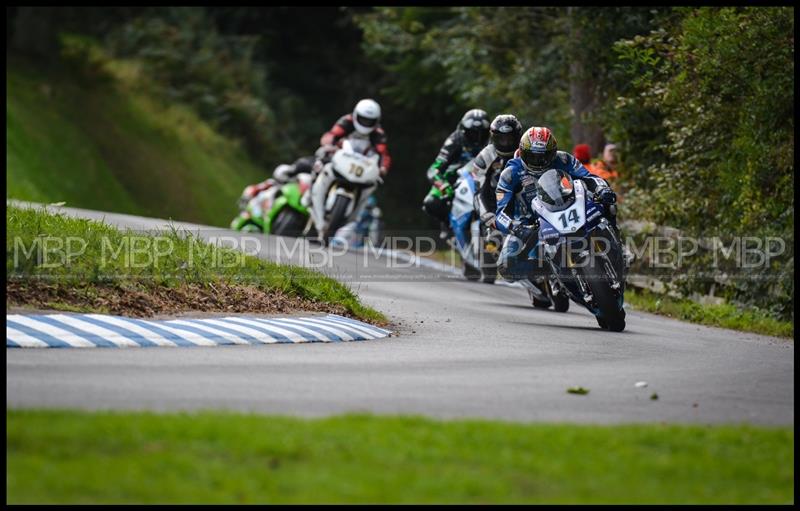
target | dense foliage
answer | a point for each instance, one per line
(721, 160)
(700, 101)
(197, 66)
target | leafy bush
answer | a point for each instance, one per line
(720, 162)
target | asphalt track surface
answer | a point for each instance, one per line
(461, 350)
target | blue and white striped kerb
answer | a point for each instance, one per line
(102, 331)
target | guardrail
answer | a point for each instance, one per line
(637, 233)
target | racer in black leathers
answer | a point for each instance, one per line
(504, 134)
(460, 147)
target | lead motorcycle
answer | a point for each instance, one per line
(355, 175)
(581, 247)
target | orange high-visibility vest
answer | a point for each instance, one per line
(600, 169)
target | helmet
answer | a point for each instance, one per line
(555, 190)
(474, 127)
(505, 133)
(366, 116)
(283, 173)
(537, 148)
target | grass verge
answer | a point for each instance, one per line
(723, 315)
(216, 457)
(56, 261)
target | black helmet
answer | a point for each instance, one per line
(474, 128)
(505, 133)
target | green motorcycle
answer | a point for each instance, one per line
(277, 210)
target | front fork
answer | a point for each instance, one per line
(608, 268)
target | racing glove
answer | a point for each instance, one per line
(606, 196)
(443, 186)
(523, 231)
(325, 152)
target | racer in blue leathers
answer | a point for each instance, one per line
(516, 188)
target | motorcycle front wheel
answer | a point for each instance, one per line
(338, 218)
(612, 316)
(289, 222)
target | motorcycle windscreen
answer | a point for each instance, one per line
(556, 190)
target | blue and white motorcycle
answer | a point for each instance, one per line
(477, 250)
(581, 247)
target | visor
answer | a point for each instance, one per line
(367, 122)
(504, 141)
(475, 136)
(536, 160)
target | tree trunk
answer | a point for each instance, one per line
(582, 97)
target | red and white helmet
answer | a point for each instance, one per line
(538, 148)
(366, 116)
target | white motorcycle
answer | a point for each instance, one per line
(470, 234)
(343, 187)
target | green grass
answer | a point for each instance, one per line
(104, 142)
(215, 457)
(185, 259)
(723, 315)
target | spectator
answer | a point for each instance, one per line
(583, 154)
(607, 166)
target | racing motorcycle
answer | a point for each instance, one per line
(277, 210)
(471, 239)
(355, 175)
(581, 247)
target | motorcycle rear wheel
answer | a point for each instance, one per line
(488, 260)
(470, 272)
(560, 301)
(540, 304)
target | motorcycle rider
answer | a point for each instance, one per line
(461, 146)
(363, 125)
(282, 175)
(516, 188)
(505, 132)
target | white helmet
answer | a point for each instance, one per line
(366, 116)
(283, 173)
